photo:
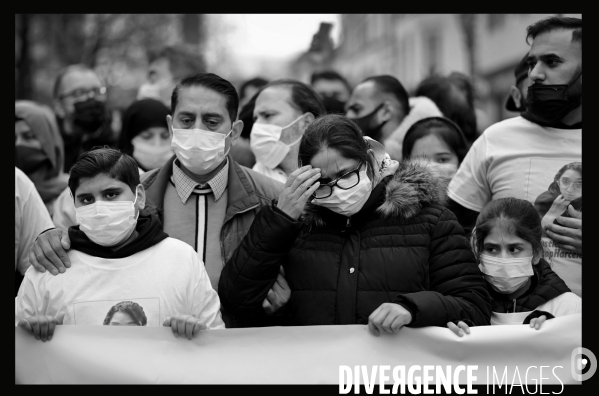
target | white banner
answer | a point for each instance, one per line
(296, 355)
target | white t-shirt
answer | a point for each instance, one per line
(31, 218)
(275, 173)
(164, 280)
(562, 305)
(520, 159)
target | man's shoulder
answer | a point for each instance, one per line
(264, 185)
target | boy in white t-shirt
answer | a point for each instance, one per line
(124, 269)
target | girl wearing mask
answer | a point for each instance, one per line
(440, 140)
(282, 112)
(507, 245)
(39, 150)
(362, 239)
(145, 135)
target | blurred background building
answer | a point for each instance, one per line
(238, 47)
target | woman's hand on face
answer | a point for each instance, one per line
(388, 317)
(299, 187)
(459, 329)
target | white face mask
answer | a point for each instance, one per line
(447, 169)
(506, 275)
(107, 223)
(198, 150)
(348, 202)
(266, 144)
(149, 154)
(156, 90)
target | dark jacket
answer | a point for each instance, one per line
(402, 247)
(545, 286)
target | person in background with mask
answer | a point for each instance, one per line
(39, 150)
(454, 96)
(334, 90)
(201, 195)
(517, 98)
(438, 139)
(241, 151)
(518, 157)
(31, 218)
(381, 108)
(167, 67)
(80, 107)
(507, 245)
(118, 251)
(145, 135)
(283, 111)
(362, 239)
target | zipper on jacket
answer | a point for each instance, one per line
(514, 305)
(348, 224)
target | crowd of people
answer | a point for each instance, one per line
(287, 203)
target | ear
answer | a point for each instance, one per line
(169, 122)
(387, 111)
(307, 120)
(536, 259)
(59, 109)
(516, 95)
(141, 197)
(237, 128)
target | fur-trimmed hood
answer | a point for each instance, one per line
(415, 184)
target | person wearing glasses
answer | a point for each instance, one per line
(362, 239)
(80, 107)
(563, 196)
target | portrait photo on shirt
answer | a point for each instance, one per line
(564, 190)
(122, 312)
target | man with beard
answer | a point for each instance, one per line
(519, 157)
(80, 107)
(382, 109)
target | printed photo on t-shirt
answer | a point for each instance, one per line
(554, 186)
(125, 312)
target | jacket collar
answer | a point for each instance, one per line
(241, 194)
(415, 184)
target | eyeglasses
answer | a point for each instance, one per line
(344, 182)
(84, 93)
(564, 181)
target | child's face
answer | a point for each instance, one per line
(570, 184)
(104, 188)
(502, 242)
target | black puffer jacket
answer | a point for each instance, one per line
(402, 247)
(545, 286)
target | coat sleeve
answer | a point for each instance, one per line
(253, 268)
(457, 287)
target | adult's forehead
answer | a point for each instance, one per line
(79, 79)
(558, 41)
(367, 90)
(201, 99)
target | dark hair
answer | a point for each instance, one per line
(339, 133)
(329, 75)
(556, 23)
(213, 82)
(182, 61)
(445, 129)
(303, 96)
(576, 166)
(69, 69)
(104, 160)
(524, 222)
(246, 114)
(134, 310)
(391, 85)
(257, 82)
(454, 96)
(139, 116)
